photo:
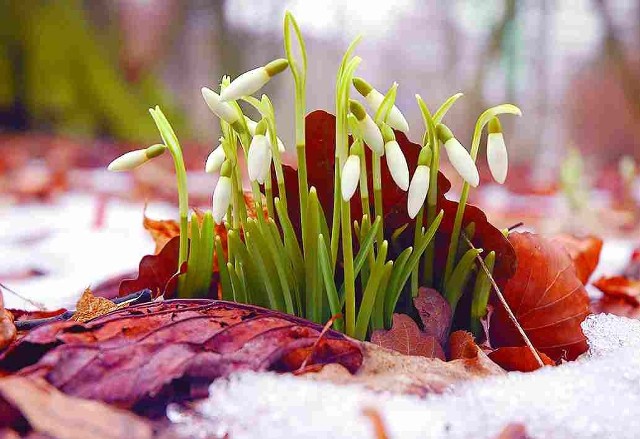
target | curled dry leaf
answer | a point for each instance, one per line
(620, 287)
(143, 356)
(547, 299)
(8, 330)
(160, 230)
(89, 307)
(156, 272)
(435, 314)
(518, 358)
(405, 337)
(584, 251)
(54, 414)
(464, 350)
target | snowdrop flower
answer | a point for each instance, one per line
(259, 157)
(350, 177)
(497, 152)
(458, 156)
(215, 159)
(396, 161)
(374, 98)
(419, 186)
(221, 109)
(251, 125)
(370, 131)
(250, 82)
(222, 193)
(133, 159)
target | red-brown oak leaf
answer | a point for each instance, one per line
(518, 358)
(620, 287)
(547, 299)
(144, 356)
(435, 314)
(584, 251)
(405, 337)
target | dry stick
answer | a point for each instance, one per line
(38, 305)
(512, 317)
(325, 329)
(379, 428)
(515, 226)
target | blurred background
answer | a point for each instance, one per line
(77, 78)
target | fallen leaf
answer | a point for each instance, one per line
(156, 272)
(435, 314)
(464, 350)
(633, 269)
(518, 358)
(8, 330)
(89, 307)
(405, 337)
(620, 287)
(54, 414)
(547, 299)
(513, 431)
(619, 307)
(160, 230)
(385, 370)
(584, 251)
(143, 356)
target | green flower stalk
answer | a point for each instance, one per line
(483, 120)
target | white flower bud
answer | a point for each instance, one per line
(497, 157)
(395, 119)
(418, 190)
(129, 161)
(133, 159)
(251, 125)
(246, 84)
(350, 177)
(371, 135)
(259, 158)
(221, 109)
(215, 160)
(462, 161)
(221, 198)
(397, 164)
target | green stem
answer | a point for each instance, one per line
(417, 234)
(484, 119)
(377, 193)
(171, 141)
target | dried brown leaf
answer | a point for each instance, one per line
(89, 307)
(405, 337)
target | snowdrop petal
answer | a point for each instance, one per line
(215, 160)
(371, 135)
(395, 119)
(221, 109)
(221, 199)
(418, 190)
(128, 161)
(497, 157)
(246, 84)
(259, 158)
(397, 164)
(462, 161)
(350, 177)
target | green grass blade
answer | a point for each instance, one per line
(370, 292)
(454, 287)
(329, 283)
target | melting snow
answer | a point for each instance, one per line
(595, 397)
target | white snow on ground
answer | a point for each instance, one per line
(61, 239)
(597, 396)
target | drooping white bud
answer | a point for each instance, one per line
(215, 160)
(221, 198)
(497, 157)
(370, 132)
(350, 177)
(418, 190)
(259, 158)
(250, 82)
(251, 125)
(374, 98)
(397, 164)
(462, 161)
(133, 159)
(221, 109)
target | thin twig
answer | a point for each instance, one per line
(515, 226)
(512, 317)
(379, 428)
(326, 328)
(38, 305)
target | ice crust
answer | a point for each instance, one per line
(597, 396)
